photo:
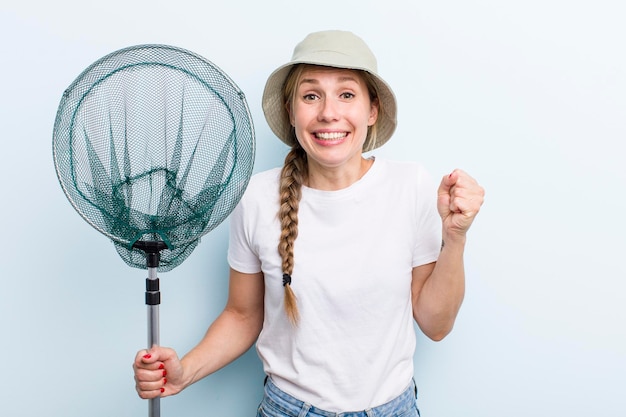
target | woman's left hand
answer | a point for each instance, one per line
(459, 200)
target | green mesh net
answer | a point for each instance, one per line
(153, 143)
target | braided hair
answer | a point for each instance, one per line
(291, 179)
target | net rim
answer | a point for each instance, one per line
(172, 49)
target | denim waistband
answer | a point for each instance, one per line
(277, 399)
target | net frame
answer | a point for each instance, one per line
(206, 75)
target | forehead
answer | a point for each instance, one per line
(312, 74)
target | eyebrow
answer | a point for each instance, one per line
(343, 78)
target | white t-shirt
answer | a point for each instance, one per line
(356, 247)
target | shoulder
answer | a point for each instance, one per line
(265, 178)
(264, 181)
(262, 185)
(406, 171)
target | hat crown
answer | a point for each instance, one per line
(335, 48)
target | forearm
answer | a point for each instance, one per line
(229, 337)
(437, 303)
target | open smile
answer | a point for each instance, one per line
(330, 136)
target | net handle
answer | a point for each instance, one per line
(153, 300)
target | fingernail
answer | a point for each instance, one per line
(161, 366)
(162, 389)
(147, 356)
(164, 381)
(164, 372)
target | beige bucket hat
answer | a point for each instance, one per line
(332, 48)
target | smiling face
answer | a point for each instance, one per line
(331, 111)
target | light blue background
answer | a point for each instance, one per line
(528, 96)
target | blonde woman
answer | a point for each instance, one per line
(334, 255)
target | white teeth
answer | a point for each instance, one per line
(330, 135)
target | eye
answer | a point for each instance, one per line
(309, 97)
(347, 95)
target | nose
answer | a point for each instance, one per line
(328, 110)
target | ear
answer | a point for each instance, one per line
(290, 114)
(373, 112)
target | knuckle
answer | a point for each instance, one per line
(143, 395)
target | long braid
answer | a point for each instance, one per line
(292, 177)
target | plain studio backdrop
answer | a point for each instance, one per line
(527, 96)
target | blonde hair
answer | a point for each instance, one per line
(293, 176)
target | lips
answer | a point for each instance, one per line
(331, 135)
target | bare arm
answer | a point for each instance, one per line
(437, 289)
(160, 372)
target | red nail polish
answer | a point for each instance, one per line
(164, 381)
(162, 389)
(147, 356)
(161, 366)
(164, 372)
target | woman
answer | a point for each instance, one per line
(328, 274)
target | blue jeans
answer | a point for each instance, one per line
(277, 403)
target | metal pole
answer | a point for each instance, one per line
(153, 299)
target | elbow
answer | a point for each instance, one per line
(435, 325)
(437, 336)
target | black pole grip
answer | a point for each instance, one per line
(152, 250)
(153, 295)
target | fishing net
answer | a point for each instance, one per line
(153, 146)
(153, 143)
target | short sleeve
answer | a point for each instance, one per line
(428, 221)
(241, 256)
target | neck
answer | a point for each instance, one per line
(333, 179)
